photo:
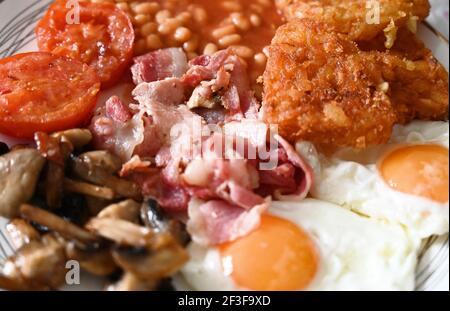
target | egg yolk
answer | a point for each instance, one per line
(420, 170)
(276, 256)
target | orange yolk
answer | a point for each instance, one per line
(276, 256)
(420, 170)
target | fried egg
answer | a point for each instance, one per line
(405, 181)
(307, 245)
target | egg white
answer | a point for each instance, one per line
(356, 253)
(351, 179)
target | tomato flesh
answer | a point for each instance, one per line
(40, 91)
(103, 38)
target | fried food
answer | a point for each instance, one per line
(418, 90)
(356, 18)
(320, 86)
(407, 44)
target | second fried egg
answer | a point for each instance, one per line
(405, 181)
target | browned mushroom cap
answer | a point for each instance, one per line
(57, 224)
(152, 263)
(101, 159)
(92, 258)
(21, 232)
(154, 217)
(38, 265)
(130, 282)
(125, 210)
(19, 172)
(77, 137)
(99, 167)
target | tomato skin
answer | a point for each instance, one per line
(103, 39)
(45, 92)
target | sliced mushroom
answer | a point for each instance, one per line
(37, 265)
(100, 172)
(94, 259)
(57, 224)
(88, 189)
(21, 232)
(125, 210)
(56, 152)
(121, 231)
(154, 217)
(101, 159)
(19, 172)
(77, 137)
(130, 282)
(54, 184)
(152, 264)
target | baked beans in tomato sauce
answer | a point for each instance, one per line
(205, 26)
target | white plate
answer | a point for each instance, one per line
(18, 19)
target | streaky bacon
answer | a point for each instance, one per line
(216, 222)
(233, 193)
(227, 75)
(167, 92)
(159, 65)
(120, 138)
(304, 176)
(135, 164)
(236, 190)
(117, 110)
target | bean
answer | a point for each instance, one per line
(184, 17)
(228, 40)
(182, 34)
(162, 15)
(255, 20)
(223, 31)
(260, 59)
(210, 48)
(148, 29)
(123, 6)
(146, 8)
(154, 42)
(200, 15)
(240, 21)
(191, 45)
(168, 26)
(141, 19)
(242, 51)
(232, 6)
(257, 8)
